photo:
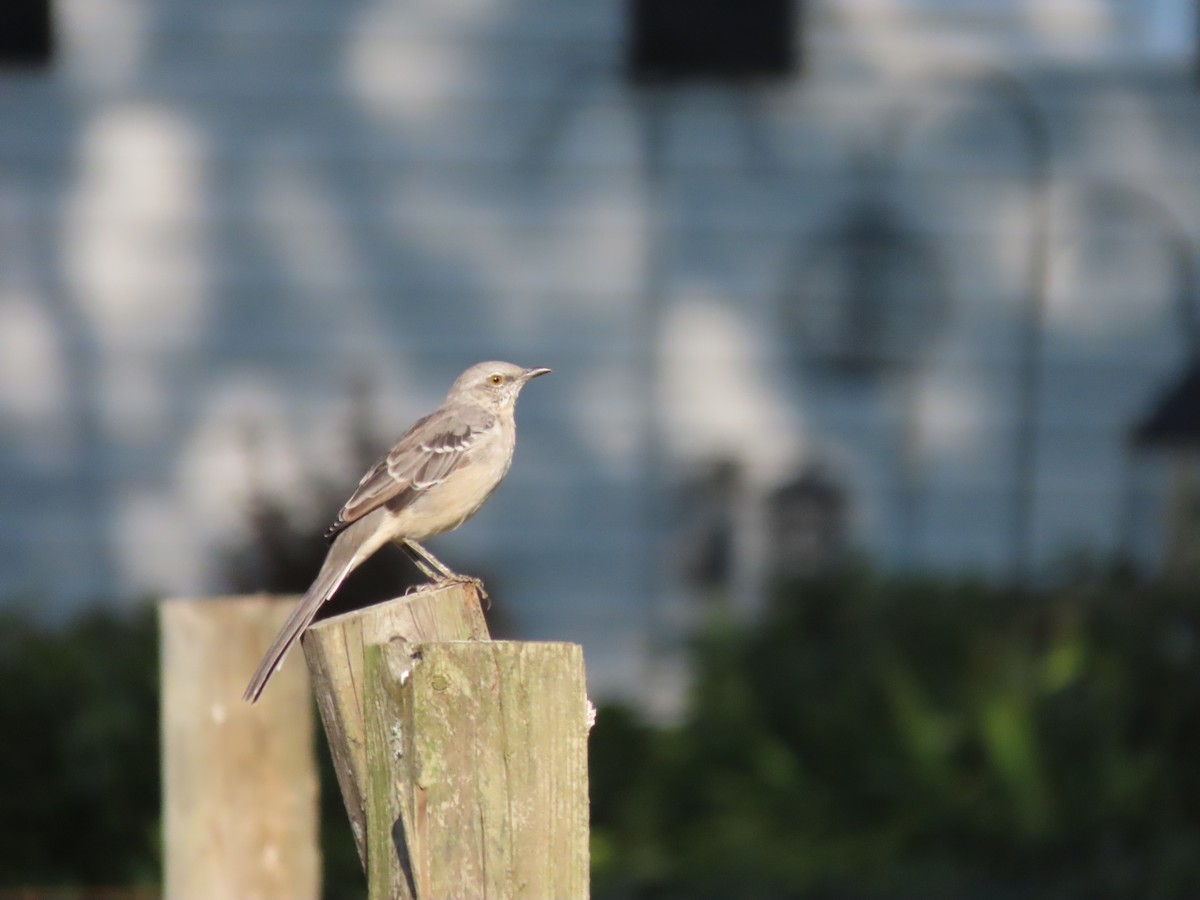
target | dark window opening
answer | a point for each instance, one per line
(26, 33)
(696, 40)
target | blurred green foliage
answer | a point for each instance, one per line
(864, 738)
(79, 785)
(879, 738)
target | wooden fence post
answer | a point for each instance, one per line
(334, 649)
(466, 760)
(239, 781)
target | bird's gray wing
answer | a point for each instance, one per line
(424, 457)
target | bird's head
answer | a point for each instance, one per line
(494, 384)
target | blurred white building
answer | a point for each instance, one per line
(217, 216)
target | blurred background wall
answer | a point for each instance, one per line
(902, 285)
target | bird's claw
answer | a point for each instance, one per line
(477, 583)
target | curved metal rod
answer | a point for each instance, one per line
(1020, 103)
(1183, 252)
(1179, 244)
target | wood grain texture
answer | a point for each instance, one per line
(478, 771)
(391, 797)
(239, 780)
(334, 650)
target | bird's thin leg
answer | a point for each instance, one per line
(419, 562)
(433, 567)
(438, 571)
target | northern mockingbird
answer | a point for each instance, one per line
(434, 479)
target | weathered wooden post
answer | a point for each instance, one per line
(334, 649)
(239, 781)
(462, 761)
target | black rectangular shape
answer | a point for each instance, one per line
(26, 33)
(707, 40)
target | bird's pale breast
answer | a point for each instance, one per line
(447, 505)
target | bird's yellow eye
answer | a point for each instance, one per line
(496, 379)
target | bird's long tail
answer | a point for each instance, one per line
(327, 582)
(348, 550)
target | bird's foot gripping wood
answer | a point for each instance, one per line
(438, 581)
(456, 578)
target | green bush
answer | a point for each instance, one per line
(79, 764)
(871, 738)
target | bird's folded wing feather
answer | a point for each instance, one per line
(424, 457)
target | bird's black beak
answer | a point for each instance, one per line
(534, 373)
